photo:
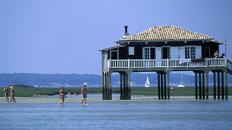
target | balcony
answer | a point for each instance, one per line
(175, 64)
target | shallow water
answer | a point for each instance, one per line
(165, 115)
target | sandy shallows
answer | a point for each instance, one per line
(95, 98)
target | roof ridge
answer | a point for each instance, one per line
(168, 32)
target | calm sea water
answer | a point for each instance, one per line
(165, 115)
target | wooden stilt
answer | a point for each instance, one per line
(196, 86)
(110, 88)
(222, 85)
(168, 84)
(158, 85)
(106, 89)
(226, 85)
(218, 85)
(128, 86)
(207, 84)
(200, 86)
(214, 85)
(121, 86)
(103, 85)
(203, 85)
(165, 85)
(162, 87)
(124, 86)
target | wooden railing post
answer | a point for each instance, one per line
(109, 64)
(225, 60)
(128, 64)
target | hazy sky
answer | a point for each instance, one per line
(64, 36)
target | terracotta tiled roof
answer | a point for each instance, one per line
(166, 33)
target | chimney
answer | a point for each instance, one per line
(126, 30)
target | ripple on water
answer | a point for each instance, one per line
(189, 115)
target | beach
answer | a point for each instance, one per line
(98, 98)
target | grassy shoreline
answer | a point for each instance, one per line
(152, 91)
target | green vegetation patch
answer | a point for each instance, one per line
(28, 91)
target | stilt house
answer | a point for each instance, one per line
(164, 49)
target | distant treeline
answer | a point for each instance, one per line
(93, 80)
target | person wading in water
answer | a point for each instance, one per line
(84, 93)
(7, 94)
(12, 96)
(62, 95)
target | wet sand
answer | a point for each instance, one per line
(95, 98)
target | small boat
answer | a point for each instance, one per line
(180, 85)
(147, 83)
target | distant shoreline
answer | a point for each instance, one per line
(97, 98)
(152, 91)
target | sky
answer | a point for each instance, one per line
(65, 36)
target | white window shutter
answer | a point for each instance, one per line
(181, 53)
(174, 53)
(198, 52)
(158, 52)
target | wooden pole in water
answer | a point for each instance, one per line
(165, 86)
(214, 85)
(121, 86)
(110, 88)
(158, 85)
(162, 97)
(124, 86)
(106, 83)
(168, 84)
(196, 86)
(106, 88)
(203, 85)
(103, 85)
(218, 85)
(222, 89)
(207, 85)
(226, 81)
(128, 86)
(199, 85)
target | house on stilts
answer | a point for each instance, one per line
(164, 49)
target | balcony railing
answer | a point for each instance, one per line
(171, 63)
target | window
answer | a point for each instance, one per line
(190, 52)
(165, 52)
(149, 53)
(186, 52)
(193, 53)
(131, 50)
(146, 53)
